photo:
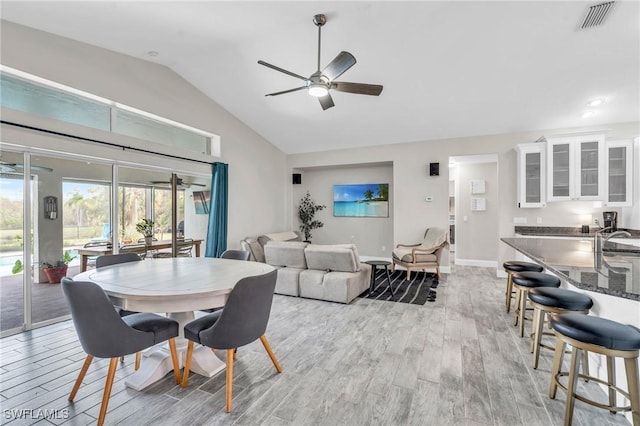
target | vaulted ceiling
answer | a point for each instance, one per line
(449, 69)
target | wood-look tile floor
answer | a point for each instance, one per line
(456, 361)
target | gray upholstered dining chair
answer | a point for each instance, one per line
(104, 334)
(115, 259)
(243, 320)
(235, 254)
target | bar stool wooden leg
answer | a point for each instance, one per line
(508, 294)
(611, 381)
(555, 370)
(516, 311)
(571, 386)
(522, 309)
(631, 365)
(538, 328)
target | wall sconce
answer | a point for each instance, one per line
(50, 207)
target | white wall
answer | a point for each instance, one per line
(376, 234)
(476, 243)
(257, 178)
(411, 181)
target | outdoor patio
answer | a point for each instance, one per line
(48, 300)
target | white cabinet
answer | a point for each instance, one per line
(575, 167)
(619, 160)
(531, 175)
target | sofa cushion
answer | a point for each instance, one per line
(278, 236)
(404, 254)
(340, 287)
(286, 253)
(288, 281)
(337, 257)
(257, 252)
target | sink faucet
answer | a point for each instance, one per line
(597, 238)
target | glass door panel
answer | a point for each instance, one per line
(561, 170)
(12, 277)
(533, 173)
(589, 161)
(78, 193)
(618, 174)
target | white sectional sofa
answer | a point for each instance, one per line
(326, 272)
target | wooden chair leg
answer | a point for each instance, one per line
(229, 379)
(571, 386)
(516, 310)
(508, 292)
(174, 360)
(113, 364)
(83, 371)
(538, 327)
(235, 354)
(267, 347)
(523, 310)
(557, 364)
(138, 358)
(187, 364)
(408, 273)
(611, 381)
(631, 365)
(122, 359)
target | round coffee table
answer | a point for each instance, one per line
(374, 266)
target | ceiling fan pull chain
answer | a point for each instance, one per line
(319, 38)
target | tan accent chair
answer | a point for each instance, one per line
(424, 255)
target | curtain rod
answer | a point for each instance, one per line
(114, 145)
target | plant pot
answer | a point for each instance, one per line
(148, 241)
(54, 275)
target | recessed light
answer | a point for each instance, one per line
(595, 102)
(588, 114)
(153, 53)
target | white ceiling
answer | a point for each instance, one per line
(449, 69)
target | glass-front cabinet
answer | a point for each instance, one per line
(531, 175)
(619, 160)
(576, 165)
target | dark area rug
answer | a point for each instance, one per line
(421, 288)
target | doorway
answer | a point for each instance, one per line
(474, 210)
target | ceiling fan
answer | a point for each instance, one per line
(320, 83)
(180, 182)
(13, 168)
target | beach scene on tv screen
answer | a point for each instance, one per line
(361, 200)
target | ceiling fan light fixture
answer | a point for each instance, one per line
(318, 90)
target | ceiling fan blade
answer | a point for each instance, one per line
(326, 101)
(273, 67)
(286, 91)
(339, 65)
(358, 88)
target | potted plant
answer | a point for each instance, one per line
(145, 227)
(57, 270)
(306, 213)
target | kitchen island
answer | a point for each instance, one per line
(610, 278)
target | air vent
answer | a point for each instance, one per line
(596, 15)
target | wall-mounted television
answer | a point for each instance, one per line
(361, 200)
(201, 201)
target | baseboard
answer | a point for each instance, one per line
(476, 262)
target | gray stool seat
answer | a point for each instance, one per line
(520, 266)
(552, 300)
(511, 266)
(601, 336)
(535, 279)
(523, 282)
(598, 331)
(560, 298)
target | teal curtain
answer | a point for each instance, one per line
(218, 205)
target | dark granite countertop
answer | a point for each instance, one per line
(565, 231)
(613, 273)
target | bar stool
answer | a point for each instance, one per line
(516, 266)
(523, 282)
(605, 337)
(551, 300)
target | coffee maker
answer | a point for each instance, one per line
(610, 220)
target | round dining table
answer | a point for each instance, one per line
(177, 287)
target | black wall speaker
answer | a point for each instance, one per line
(434, 169)
(297, 178)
